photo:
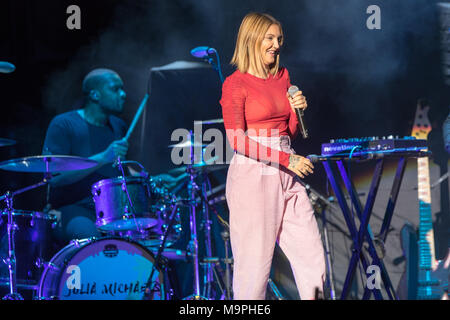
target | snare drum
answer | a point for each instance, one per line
(114, 211)
(101, 269)
(33, 245)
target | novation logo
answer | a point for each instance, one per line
(110, 251)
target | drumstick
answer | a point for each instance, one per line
(136, 117)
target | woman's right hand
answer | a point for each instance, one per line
(301, 166)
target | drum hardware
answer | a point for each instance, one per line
(170, 253)
(199, 194)
(128, 214)
(209, 269)
(21, 284)
(44, 264)
(78, 243)
(213, 264)
(150, 288)
(208, 165)
(42, 164)
(192, 189)
(228, 262)
(225, 279)
(192, 169)
(11, 229)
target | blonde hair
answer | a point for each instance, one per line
(250, 36)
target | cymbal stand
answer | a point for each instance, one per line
(149, 289)
(224, 281)
(208, 277)
(11, 260)
(228, 261)
(193, 243)
(11, 229)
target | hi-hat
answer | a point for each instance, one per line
(187, 144)
(6, 142)
(48, 164)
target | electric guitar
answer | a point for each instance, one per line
(427, 278)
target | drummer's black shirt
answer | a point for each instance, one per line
(70, 134)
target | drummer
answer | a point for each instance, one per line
(96, 132)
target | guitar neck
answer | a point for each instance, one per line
(426, 234)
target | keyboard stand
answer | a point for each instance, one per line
(364, 233)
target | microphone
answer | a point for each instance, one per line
(292, 90)
(6, 67)
(202, 52)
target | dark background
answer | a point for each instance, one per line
(358, 82)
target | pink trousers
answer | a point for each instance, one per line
(267, 205)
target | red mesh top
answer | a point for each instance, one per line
(259, 107)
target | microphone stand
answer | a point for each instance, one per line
(208, 59)
(216, 66)
(317, 199)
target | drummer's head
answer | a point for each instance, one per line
(104, 87)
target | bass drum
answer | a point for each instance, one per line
(101, 269)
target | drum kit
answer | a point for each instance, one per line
(139, 220)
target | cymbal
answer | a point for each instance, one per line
(6, 142)
(208, 165)
(50, 163)
(212, 121)
(187, 144)
(6, 67)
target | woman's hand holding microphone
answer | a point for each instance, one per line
(301, 166)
